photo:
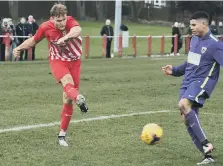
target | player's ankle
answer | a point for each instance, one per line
(62, 133)
(205, 142)
(208, 156)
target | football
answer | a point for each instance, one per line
(151, 133)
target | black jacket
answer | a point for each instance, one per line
(176, 31)
(34, 27)
(107, 30)
(23, 30)
(214, 29)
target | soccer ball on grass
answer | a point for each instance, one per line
(151, 133)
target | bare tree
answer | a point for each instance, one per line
(133, 10)
(80, 9)
(13, 9)
(141, 5)
(99, 10)
(62, 2)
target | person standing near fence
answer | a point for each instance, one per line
(213, 27)
(107, 29)
(34, 27)
(176, 31)
(23, 29)
(220, 28)
(8, 31)
(14, 40)
(65, 49)
(2, 45)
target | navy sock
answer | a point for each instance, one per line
(194, 139)
(194, 123)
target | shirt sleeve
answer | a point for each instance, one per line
(71, 22)
(218, 53)
(179, 70)
(39, 34)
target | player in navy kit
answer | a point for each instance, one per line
(201, 73)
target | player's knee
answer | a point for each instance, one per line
(67, 79)
(183, 118)
(184, 106)
(68, 101)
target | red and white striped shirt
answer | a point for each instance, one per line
(73, 48)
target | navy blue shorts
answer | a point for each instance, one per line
(194, 93)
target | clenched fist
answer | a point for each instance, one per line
(16, 52)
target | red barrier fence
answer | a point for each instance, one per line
(87, 45)
(149, 45)
(162, 45)
(134, 45)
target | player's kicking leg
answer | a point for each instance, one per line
(75, 71)
(205, 149)
(191, 119)
(72, 92)
(80, 101)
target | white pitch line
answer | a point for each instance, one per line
(21, 128)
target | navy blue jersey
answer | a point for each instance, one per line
(203, 63)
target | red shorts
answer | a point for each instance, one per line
(60, 68)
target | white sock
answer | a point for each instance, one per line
(62, 133)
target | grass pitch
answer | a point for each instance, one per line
(29, 95)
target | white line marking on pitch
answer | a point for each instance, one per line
(20, 128)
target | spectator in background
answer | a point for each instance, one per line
(2, 46)
(23, 29)
(213, 28)
(14, 41)
(220, 28)
(189, 31)
(176, 31)
(34, 27)
(182, 28)
(107, 29)
(7, 29)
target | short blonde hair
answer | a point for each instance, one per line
(58, 10)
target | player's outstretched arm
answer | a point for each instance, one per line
(25, 45)
(31, 41)
(179, 70)
(174, 71)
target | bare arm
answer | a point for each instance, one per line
(27, 44)
(40, 34)
(74, 32)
